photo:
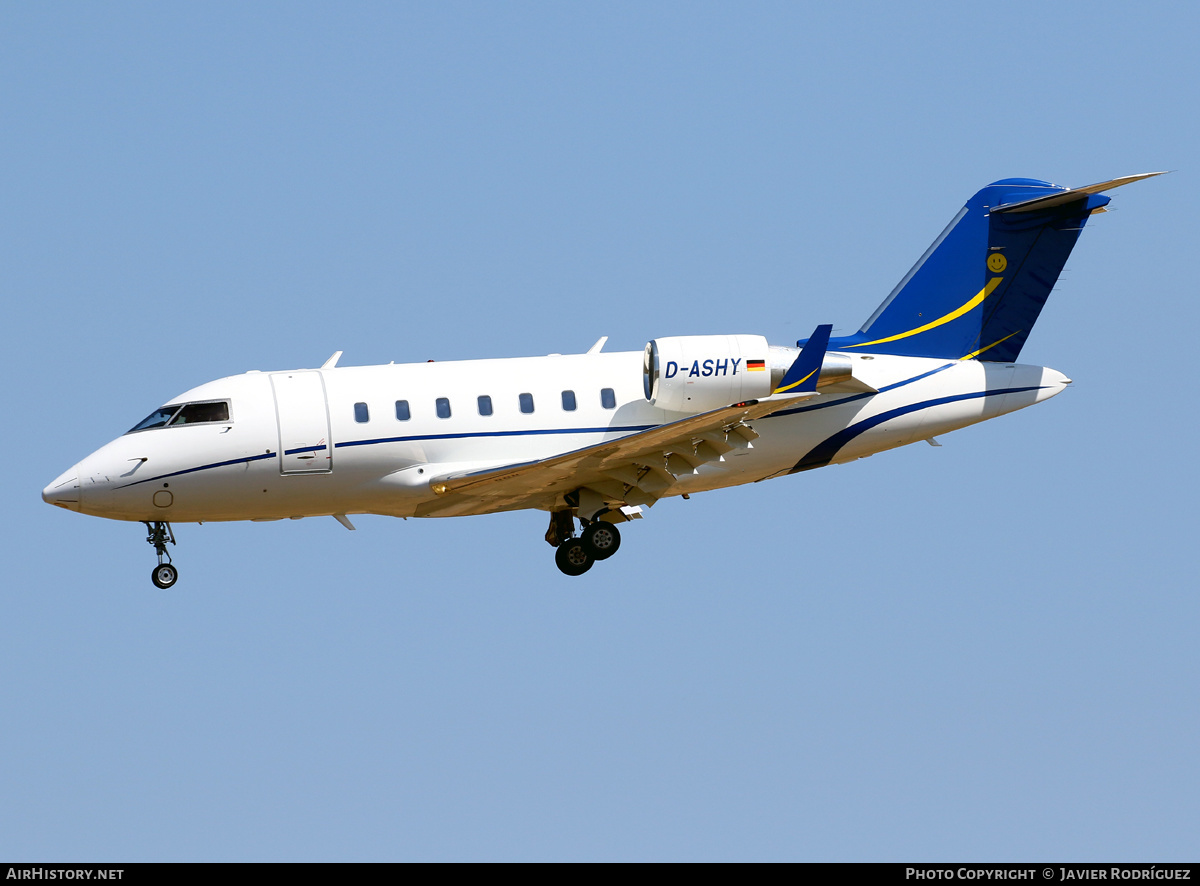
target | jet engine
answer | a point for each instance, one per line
(696, 373)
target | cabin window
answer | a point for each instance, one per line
(362, 415)
(608, 398)
(568, 401)
(443, 407)
(485, 405)
(402, 412)
(526, 403)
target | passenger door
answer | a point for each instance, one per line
(305, 446)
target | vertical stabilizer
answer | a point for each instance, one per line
(978, 290)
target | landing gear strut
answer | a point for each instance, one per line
(562, 527)
(159, 534)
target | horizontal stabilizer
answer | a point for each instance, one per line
(1064, 197)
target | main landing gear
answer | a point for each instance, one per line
(159, 534)
(575, 556)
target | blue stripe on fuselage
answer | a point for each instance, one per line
(318, 448)
(629, 428)
(823, 453)
(238, 461)
(217, 464)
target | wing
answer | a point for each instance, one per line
(633, 470)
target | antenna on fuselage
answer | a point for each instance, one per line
(595, 349)
(332, 361)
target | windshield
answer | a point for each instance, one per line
(186, 414)
(194, 413)
(156, 419)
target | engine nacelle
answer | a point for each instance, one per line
(695, 373)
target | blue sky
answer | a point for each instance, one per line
(985, 650)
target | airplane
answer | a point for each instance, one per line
(596, 438)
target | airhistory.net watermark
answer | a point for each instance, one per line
(40, 872)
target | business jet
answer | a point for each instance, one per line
(596, 438)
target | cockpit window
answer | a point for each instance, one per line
(156, 419)
(195, 413)
(187, 414)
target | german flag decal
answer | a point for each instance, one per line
(756, 365)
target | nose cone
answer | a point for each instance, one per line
(64, 491)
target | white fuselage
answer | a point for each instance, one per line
(295, 444)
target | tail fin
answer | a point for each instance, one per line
(977, 291)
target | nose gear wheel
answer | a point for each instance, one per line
(159, 534)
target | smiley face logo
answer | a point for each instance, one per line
(996, 263)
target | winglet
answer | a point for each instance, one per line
(807, 369)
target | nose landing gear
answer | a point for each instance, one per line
(159, 534)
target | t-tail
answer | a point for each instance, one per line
(978, 290)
